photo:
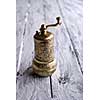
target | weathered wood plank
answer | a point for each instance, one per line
(35, 19)
(21, 17)
(28, 86)
(67, 80)
(71, 11)
(31, 87)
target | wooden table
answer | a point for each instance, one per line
(67, 82)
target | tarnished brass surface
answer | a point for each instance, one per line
(44, 49)
(44, 63)
(44, 68)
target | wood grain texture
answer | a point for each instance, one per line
(22, 7)
(71, 11)
(28, 86)
(67, 80)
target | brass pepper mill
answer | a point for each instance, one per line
(44, 63)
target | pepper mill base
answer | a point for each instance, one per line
(43, 68)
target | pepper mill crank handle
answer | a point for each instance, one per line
(52, 25)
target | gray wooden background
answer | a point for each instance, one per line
(67, 81)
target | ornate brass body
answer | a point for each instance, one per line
(44, 63)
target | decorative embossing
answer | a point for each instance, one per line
(44, 50)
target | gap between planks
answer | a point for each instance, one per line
(73, 45)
